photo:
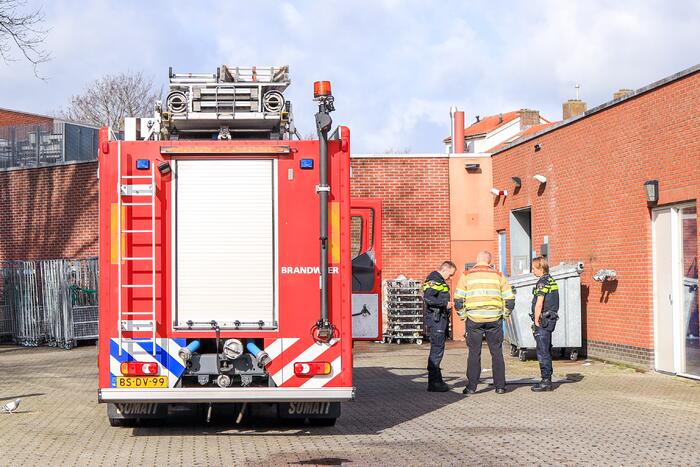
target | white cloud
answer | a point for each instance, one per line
(292, 16)
(396, 66)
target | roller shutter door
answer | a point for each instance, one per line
(225, 242)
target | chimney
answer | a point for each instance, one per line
(622, 93)
(573, 108)
(529, 118)
(458, 143)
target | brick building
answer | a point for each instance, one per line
(416, 208)
(13, 118)
(48, 188)
(593, 208)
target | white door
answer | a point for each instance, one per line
(225, 243)
(663, 265)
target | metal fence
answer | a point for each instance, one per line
(47, 143)
(50, 302)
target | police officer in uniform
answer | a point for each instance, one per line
(545, 306)
(436, 297)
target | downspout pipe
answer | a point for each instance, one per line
(324, 329)
(453, 109)
(458, 132)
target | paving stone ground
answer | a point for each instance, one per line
(603, 415)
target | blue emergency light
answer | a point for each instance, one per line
(143, 164)
(306, 164)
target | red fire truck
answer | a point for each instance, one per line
(225, 254)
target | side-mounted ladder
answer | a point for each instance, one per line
(130, 320)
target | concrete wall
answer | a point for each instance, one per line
(471, 215)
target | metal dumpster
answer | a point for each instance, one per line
(567, 334)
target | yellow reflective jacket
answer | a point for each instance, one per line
(486, 294)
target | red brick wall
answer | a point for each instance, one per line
(10, 117)
(416, 210)
(49, 212)
(593, 207)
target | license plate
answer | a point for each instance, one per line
(135, 382)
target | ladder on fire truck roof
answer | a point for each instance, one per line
(126, 188)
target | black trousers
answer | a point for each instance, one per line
(543, 342)
(494, 338)
(436, 333)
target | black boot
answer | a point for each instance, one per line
(435, 382)
(544, 385)
(438, 386)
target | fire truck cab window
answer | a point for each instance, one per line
(355, 236)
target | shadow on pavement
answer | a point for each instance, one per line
(323, 461)
(4, 398)
(384, 399)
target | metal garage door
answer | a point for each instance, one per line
(225, 242)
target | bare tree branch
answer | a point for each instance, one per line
(108, 100)
(23, 31)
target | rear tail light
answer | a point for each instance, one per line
(312, 368)
(139, 368)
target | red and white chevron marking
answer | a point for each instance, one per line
(287, 351)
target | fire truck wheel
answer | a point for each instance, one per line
(322, 421)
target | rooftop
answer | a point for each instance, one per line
(555, 126)
(487, 124)
(523, 134)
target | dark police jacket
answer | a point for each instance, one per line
(546, 287)
(436, 296)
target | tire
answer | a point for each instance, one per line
(513, 350)
(322, 421)
(522, 355)
(573, 356)
(419, 341)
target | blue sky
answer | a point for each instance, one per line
(396, 66)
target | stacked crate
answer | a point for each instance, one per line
(404, 310)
